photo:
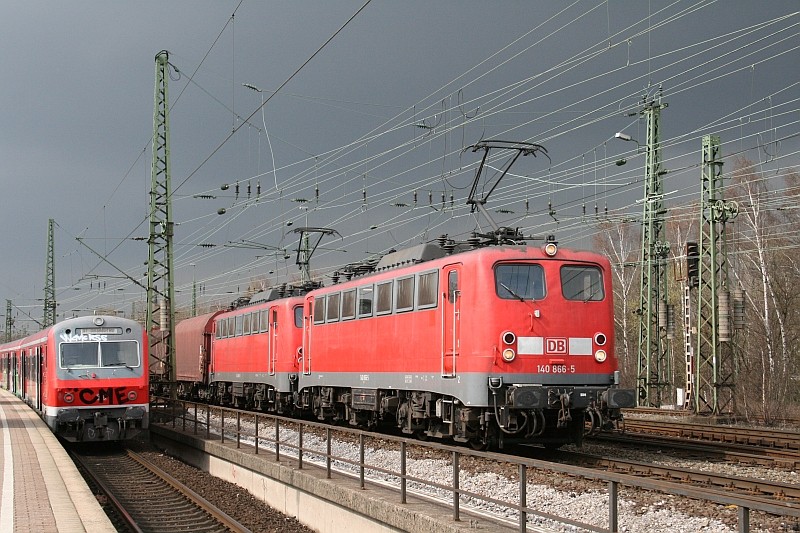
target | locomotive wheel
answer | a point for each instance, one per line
(490, 440)
(479, 445)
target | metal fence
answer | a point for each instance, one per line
(185, 415)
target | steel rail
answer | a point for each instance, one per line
(757, 489)
(165, 501)
(757, 437)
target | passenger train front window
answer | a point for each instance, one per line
(94, 354)
(119, 354)
(519, 282)
(79, 354)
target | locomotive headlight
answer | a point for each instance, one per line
(68, 397)
(98, 321)
(600, 339)
(550, 249)
(508, 355)
(509, 337)
(600, 356)
(132, 395)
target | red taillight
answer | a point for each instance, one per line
(132, 395)
(68, 397)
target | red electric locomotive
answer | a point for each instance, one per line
(86, 377)
(253, 352)
(489, 345)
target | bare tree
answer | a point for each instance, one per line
(620, 242)
(762, 249)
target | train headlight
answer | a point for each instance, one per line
(600, 356)
(508, 355)
(509, 338)
(98, 321)
(132, 396)
(550, 249)
(68, 397)
(600, 339)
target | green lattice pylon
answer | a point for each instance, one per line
(160, 287)
(653, 355)
(714, 357)
(50, 280)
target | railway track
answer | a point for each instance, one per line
(690, 415)
(747, 446)
(749, 488)
(754, 437)
(148, 499)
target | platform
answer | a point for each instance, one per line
(42, 489)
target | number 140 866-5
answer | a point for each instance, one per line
(555, 369)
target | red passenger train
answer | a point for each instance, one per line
(482, 344)
(87, 377)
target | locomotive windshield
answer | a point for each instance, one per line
(519, 282)
(98, 354)
(583, 283)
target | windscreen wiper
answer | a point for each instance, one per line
(521, 299)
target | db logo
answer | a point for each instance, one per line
(555, 345)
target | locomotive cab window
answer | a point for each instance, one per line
(365, 295)
(519, 282)
(319, 310)
(452, 286)
(405, 294)
(383, 305)
(584, 283)
(298, 316)
(333, 307)
(427, 287)
(264, 321)
(349, 304)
